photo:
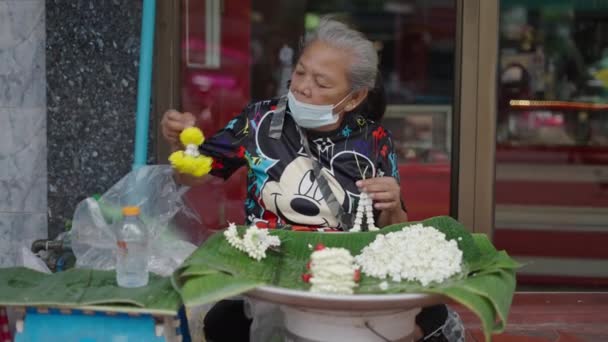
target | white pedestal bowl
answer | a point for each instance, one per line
(312, 317)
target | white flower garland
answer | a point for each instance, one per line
(364, 209)
(255, 242)
(416, 253)
(333, 271)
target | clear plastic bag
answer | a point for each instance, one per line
(151, 188)
(31, 261)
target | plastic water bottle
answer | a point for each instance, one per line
(132, 250)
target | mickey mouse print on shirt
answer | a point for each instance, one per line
(281, 187)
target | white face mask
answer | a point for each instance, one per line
(312, 116)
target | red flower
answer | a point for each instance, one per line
(217, 164)
(306, 277)
(379, 133)
(384, 151)
(241, 152)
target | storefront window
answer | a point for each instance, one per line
(552, 140)
(234, 52)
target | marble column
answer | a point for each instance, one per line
(23, 142)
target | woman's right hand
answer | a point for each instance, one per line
(173, 123)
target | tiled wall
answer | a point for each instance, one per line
(23, 142)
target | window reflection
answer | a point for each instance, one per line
(552, 141)
(415, 40)
(553, 52)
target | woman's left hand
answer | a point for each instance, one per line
(384, 192)
(386, 196)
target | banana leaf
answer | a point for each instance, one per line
(85, 288)
(216, 270)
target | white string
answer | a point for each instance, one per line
(359, 166)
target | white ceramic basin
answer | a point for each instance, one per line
(354, 318)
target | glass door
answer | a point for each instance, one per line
(552, 141)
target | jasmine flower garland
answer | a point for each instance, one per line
(232, 236)
(255, 242)
(333, 270)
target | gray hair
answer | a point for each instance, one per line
(364, 67)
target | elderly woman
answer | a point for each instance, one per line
(310, 155)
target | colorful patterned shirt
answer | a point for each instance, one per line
(281, 186)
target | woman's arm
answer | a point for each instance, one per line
(225, 146)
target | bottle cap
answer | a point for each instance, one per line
(130, 211)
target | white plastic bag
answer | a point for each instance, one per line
(159, 198)
(31, 261)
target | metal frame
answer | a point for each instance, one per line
(442, 111)
(475, 114)
(167, 54)
(213, 34)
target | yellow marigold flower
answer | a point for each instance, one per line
(191, 162)
(191, 136)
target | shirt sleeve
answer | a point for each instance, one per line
(227, 147)
(386, 158)
(387, 163)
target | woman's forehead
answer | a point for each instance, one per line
(326, 60)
